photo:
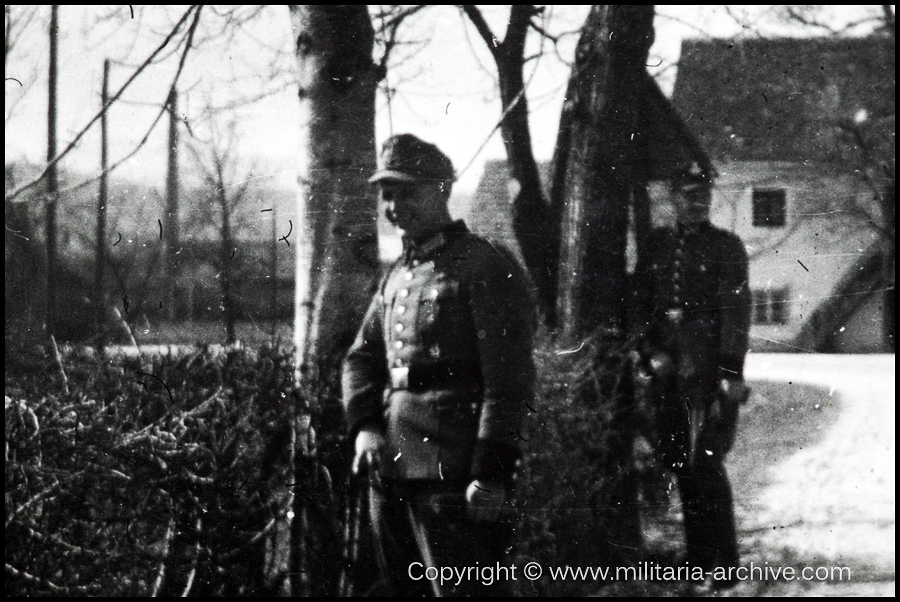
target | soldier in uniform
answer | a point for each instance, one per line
(693, 285)
(436, 383)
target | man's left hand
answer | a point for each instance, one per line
(485, 500)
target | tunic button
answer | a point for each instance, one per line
(435, 351)
(408, 276)
(398, 344)
(679, 252)
(398, 363)
(399, 327)
(401, 309)
(404, 293)
(434, 293)
(415, 262)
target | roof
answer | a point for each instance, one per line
(490, 212)
(784, 99)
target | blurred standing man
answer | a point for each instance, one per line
(436, 385)
(694, 287)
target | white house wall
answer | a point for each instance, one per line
(821, 240)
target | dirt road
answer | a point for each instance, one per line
(813, 476)
(813, 472)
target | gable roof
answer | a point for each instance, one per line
(784, 99)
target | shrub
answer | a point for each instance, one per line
(151, 476)
(577, 488)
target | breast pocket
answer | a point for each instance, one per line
(440, 302)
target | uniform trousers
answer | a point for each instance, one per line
(693, 443)
(417, 525)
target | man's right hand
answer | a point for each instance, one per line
(369, 446)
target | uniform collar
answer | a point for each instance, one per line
(423, 247)
(692, 228)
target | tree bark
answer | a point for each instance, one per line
(600, 168)
(598, 163)
(226, 252)
(337, 265)
(336, 239)
(534, 224)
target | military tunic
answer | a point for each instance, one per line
(443, 366)
(693, 283)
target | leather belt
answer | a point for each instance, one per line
(425, 376)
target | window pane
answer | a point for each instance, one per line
(769, 208)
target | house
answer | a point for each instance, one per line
(799, 132)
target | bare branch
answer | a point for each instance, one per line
(482, 27)
(163, 110)
(516, 31)
(75, 141)
(393, 20)
(390, 24)
(56, 589)
(743, 21)
(544, 32)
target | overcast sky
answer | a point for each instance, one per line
(445, 87)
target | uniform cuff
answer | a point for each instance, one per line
(494, 461)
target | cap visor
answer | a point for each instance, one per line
(392, 174)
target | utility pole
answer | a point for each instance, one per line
(102, 204)
(52, 175)
(170, 223)
(273, 272)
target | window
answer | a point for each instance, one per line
(769, 208)
(770, 306)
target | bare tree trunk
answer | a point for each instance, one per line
(52, 176)
(337, 256)
(599, 167)
(171, 235)
(536, 231)
(535, 226)
(337, 244)
(226, 252)
(102, 204)
(598, 164)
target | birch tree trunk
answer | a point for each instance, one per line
(336, 237)
(337, 264)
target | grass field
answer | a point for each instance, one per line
(250, 333)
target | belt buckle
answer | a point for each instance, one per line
(675, 314)
(400, 377)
